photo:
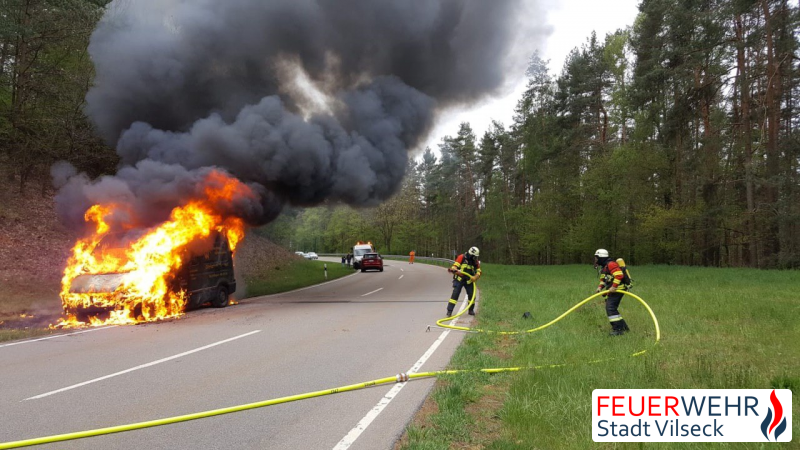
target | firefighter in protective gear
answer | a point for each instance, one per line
(466, 270)
(614, 279)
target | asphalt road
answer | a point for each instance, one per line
(354, 329)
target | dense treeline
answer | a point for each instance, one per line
(675, 141)
(45, 72)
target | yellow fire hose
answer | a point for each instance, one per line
(441, 323)
(399, 378)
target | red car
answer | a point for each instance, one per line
(371, 261)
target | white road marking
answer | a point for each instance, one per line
(376, 290)
(56, 336)
(401, 277)
(401, 270)
(205, 347)
(362, 425)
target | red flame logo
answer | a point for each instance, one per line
(769, 424)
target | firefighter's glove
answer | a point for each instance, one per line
(597, 291)
(612, 289)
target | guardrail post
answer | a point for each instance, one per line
(326, 270)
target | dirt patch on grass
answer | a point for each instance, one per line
(486, 411)
(485, 414)
(421, 420)
(504, 349)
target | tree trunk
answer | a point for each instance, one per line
(3, 57)
(508, 236)
(624, 108)
(604, 126)
(773, 107)
(751, 251)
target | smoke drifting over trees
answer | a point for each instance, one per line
(182, 86)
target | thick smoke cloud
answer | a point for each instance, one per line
(185, 85)
(305, 161)
(146, 193)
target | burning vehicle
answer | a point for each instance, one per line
(121, 273)
(207, 277)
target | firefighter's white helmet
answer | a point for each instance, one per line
(601, 253)
(474, 252)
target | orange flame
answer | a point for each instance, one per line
(144, 269)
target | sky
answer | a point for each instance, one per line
(572, 22)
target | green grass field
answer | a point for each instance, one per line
(721, 328)
(293, 275)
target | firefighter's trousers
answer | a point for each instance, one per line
(612, 310)
(457, 285)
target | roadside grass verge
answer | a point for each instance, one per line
(293, 274)
(14, 334)
(417, 260)
(721, 328)
(26, 325)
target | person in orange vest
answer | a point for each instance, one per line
(466, 270)
(614, 279)
(411, 257)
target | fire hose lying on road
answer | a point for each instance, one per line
(399, 378)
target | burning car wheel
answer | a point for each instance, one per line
(137, 310)
(82, 316)
(221, 300)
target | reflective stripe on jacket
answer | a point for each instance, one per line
(462, 264)
(611, 275)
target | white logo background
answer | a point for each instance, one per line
(688, 415)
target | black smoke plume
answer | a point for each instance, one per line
(183, 86)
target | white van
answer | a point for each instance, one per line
(359, 250)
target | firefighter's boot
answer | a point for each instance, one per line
(451, 306)
(616, 328)
(624, 326)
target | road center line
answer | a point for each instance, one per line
(401, 277)
(205, 347)
(376, 290)
(55, 336)
(362, 425)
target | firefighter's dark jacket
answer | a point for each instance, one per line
(614, 275)
(462, 264)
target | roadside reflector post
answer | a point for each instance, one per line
(326, 270)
